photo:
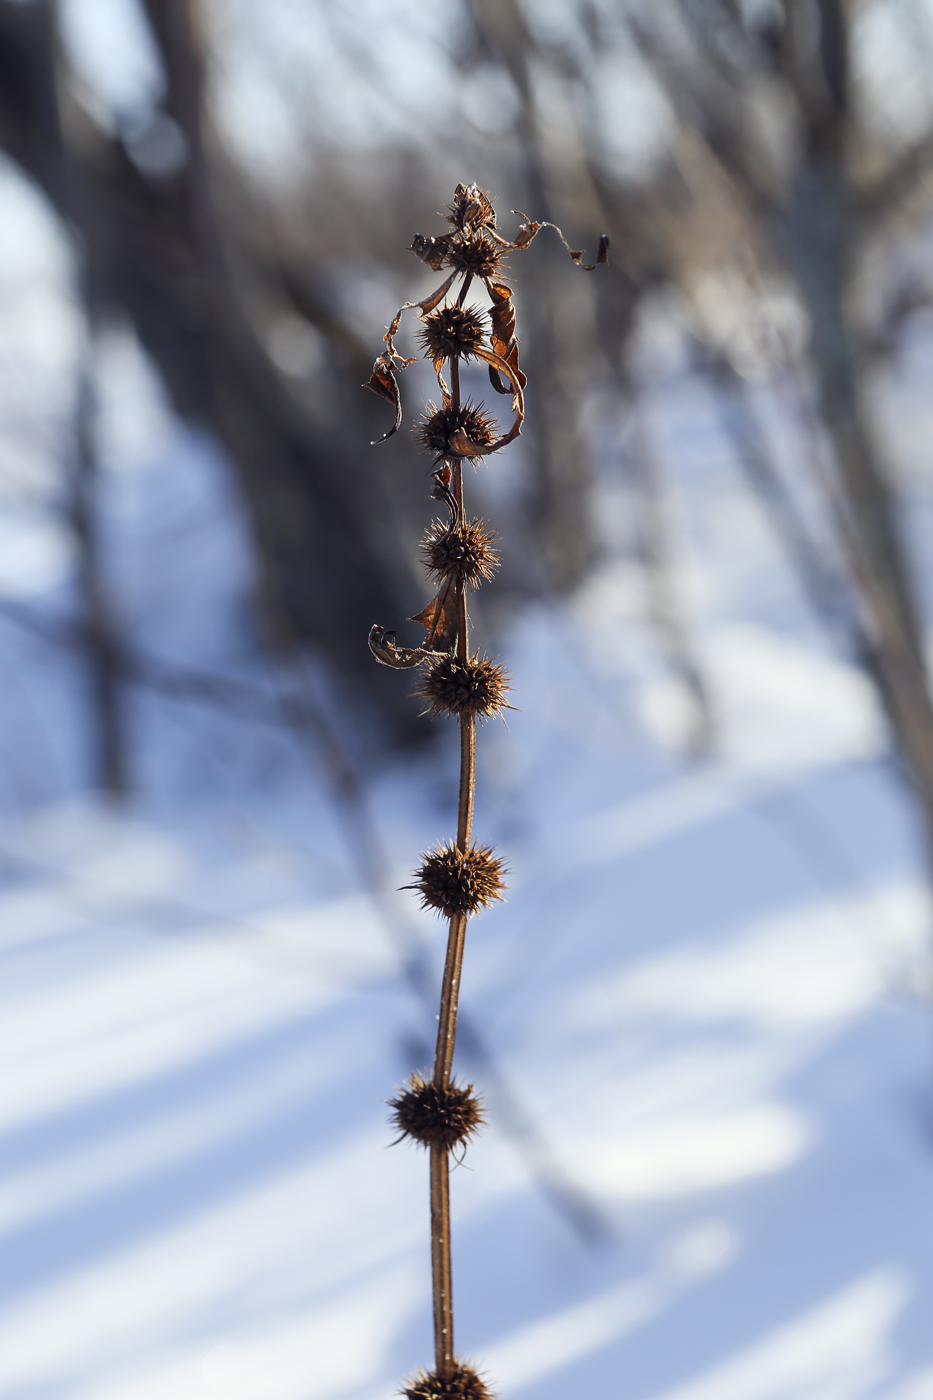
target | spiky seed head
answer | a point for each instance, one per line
(464, 551)
(475, 687)
(438, 426)
(453, 883)
(462, 1384)
(471, 207)
(452, 331)
(445, 1118)
(476, 253)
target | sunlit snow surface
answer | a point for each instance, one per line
(706, 990)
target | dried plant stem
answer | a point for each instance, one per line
(450, 989)
(456, 879)
(440, 1262)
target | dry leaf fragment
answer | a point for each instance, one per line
(503, 337)
(385, 385)
(527, 231)
(431, 250)
(382, 645)
(441, 491)
(439, 618)
(530, 227)
(383, 381)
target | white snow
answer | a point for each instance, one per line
(704, 988)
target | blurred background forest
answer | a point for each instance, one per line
(717, 544)
(235, 194)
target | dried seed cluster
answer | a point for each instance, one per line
(471, 206)
(462, 1384)
(452, 331)
(473, 246)
(438, 426)
(453, 883)
(474, 687)
(474, 253)
(445, 1118)
(464, 551)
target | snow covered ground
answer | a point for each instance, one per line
(706, 990)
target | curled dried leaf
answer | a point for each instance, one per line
(385, 385)
(440, 491)
(382, 645)
(439, 618)
(503, 337)
(383, 381)
(526, 233)
(431, 250)
(461, 445)
(531, 227)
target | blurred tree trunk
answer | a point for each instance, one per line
(100, 627)
(725, 61)
(817, 230)
(561, 460)
(658, 563)
(156, 251)
(27, 81)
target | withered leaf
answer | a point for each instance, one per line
(431, 301)
(441, 491)
(527, 231)
(431, 250)
(602, 254)
(385, 385)
(508, 367)
(439, 618)
(426, 306)
(383, 381)
(382, 645)
(460, 444)
(504, 340)
(530, 227)
(399, 658)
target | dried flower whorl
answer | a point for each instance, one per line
(453, 883)
(463, 551)
(439, 425)
(474, 253)
(471, 206)
(462, 1384)
(451, 331)
(445, 1118)
(475, 687)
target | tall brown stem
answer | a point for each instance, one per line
(450, 989)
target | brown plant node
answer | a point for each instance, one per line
(474, 253)
(463, 1383)
(436, 1117)
(459, 883)
(471, 207)
(452, 331)
(475, 687)
(439, 425)
(464, 552)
